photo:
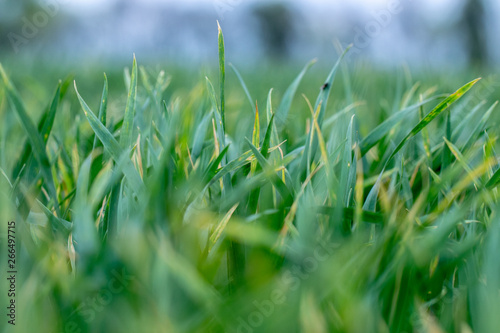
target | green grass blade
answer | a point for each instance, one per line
(36, 140)
(277, 182)
(406, 193)
(346, 181)
(256, 128)
(44, 127)
(48, 122)
(384, 128)
(243, 85)
(461, 160)
(221, 226)
(232, 166)
(212, 168)
(479, 126)
(218, 117)
(446, 157)
(321, 103)
(286, 101)
(426, 141)
(103, 107)
(267, 138)
(128, 119)
(112, 146)
(270, 114)
(199, 136)
(324, 94)
(57, 223)
(222, 77)
(84, 231)
(433, 114)
(459, 129)
(349, 213)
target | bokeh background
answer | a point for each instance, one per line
(442, 34)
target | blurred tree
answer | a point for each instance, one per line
(473, 21)
(276, 27)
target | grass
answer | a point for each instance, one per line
(371, 210)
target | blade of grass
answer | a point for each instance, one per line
(321, 103)
(199, 136)
(277, 182)
(84, 231)
(286, 101)
(441, 107)
(243, 85)
(461, 160)
(112, 146)
(381, 130)
(128, 119)
(44, 127)
(35, 139)
(103, 107)
(479, 126)
(222, 77)
(221, 226)
(267, 138)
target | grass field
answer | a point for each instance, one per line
(346, 200)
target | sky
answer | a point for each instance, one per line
(181, 26)
(434, 4)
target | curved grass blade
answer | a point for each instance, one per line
(44, 128)
(212, 168)
(479, 126)
(230, 167)
(459, 129)
(433, 114)
(277, 182)
(34, 137)
(286, 101)
(494, 180)
(112, 146)
(461, 160)
(243, 85)
(381, 130)
(57, 223)
(221, 226)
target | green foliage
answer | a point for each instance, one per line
(161, 213)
